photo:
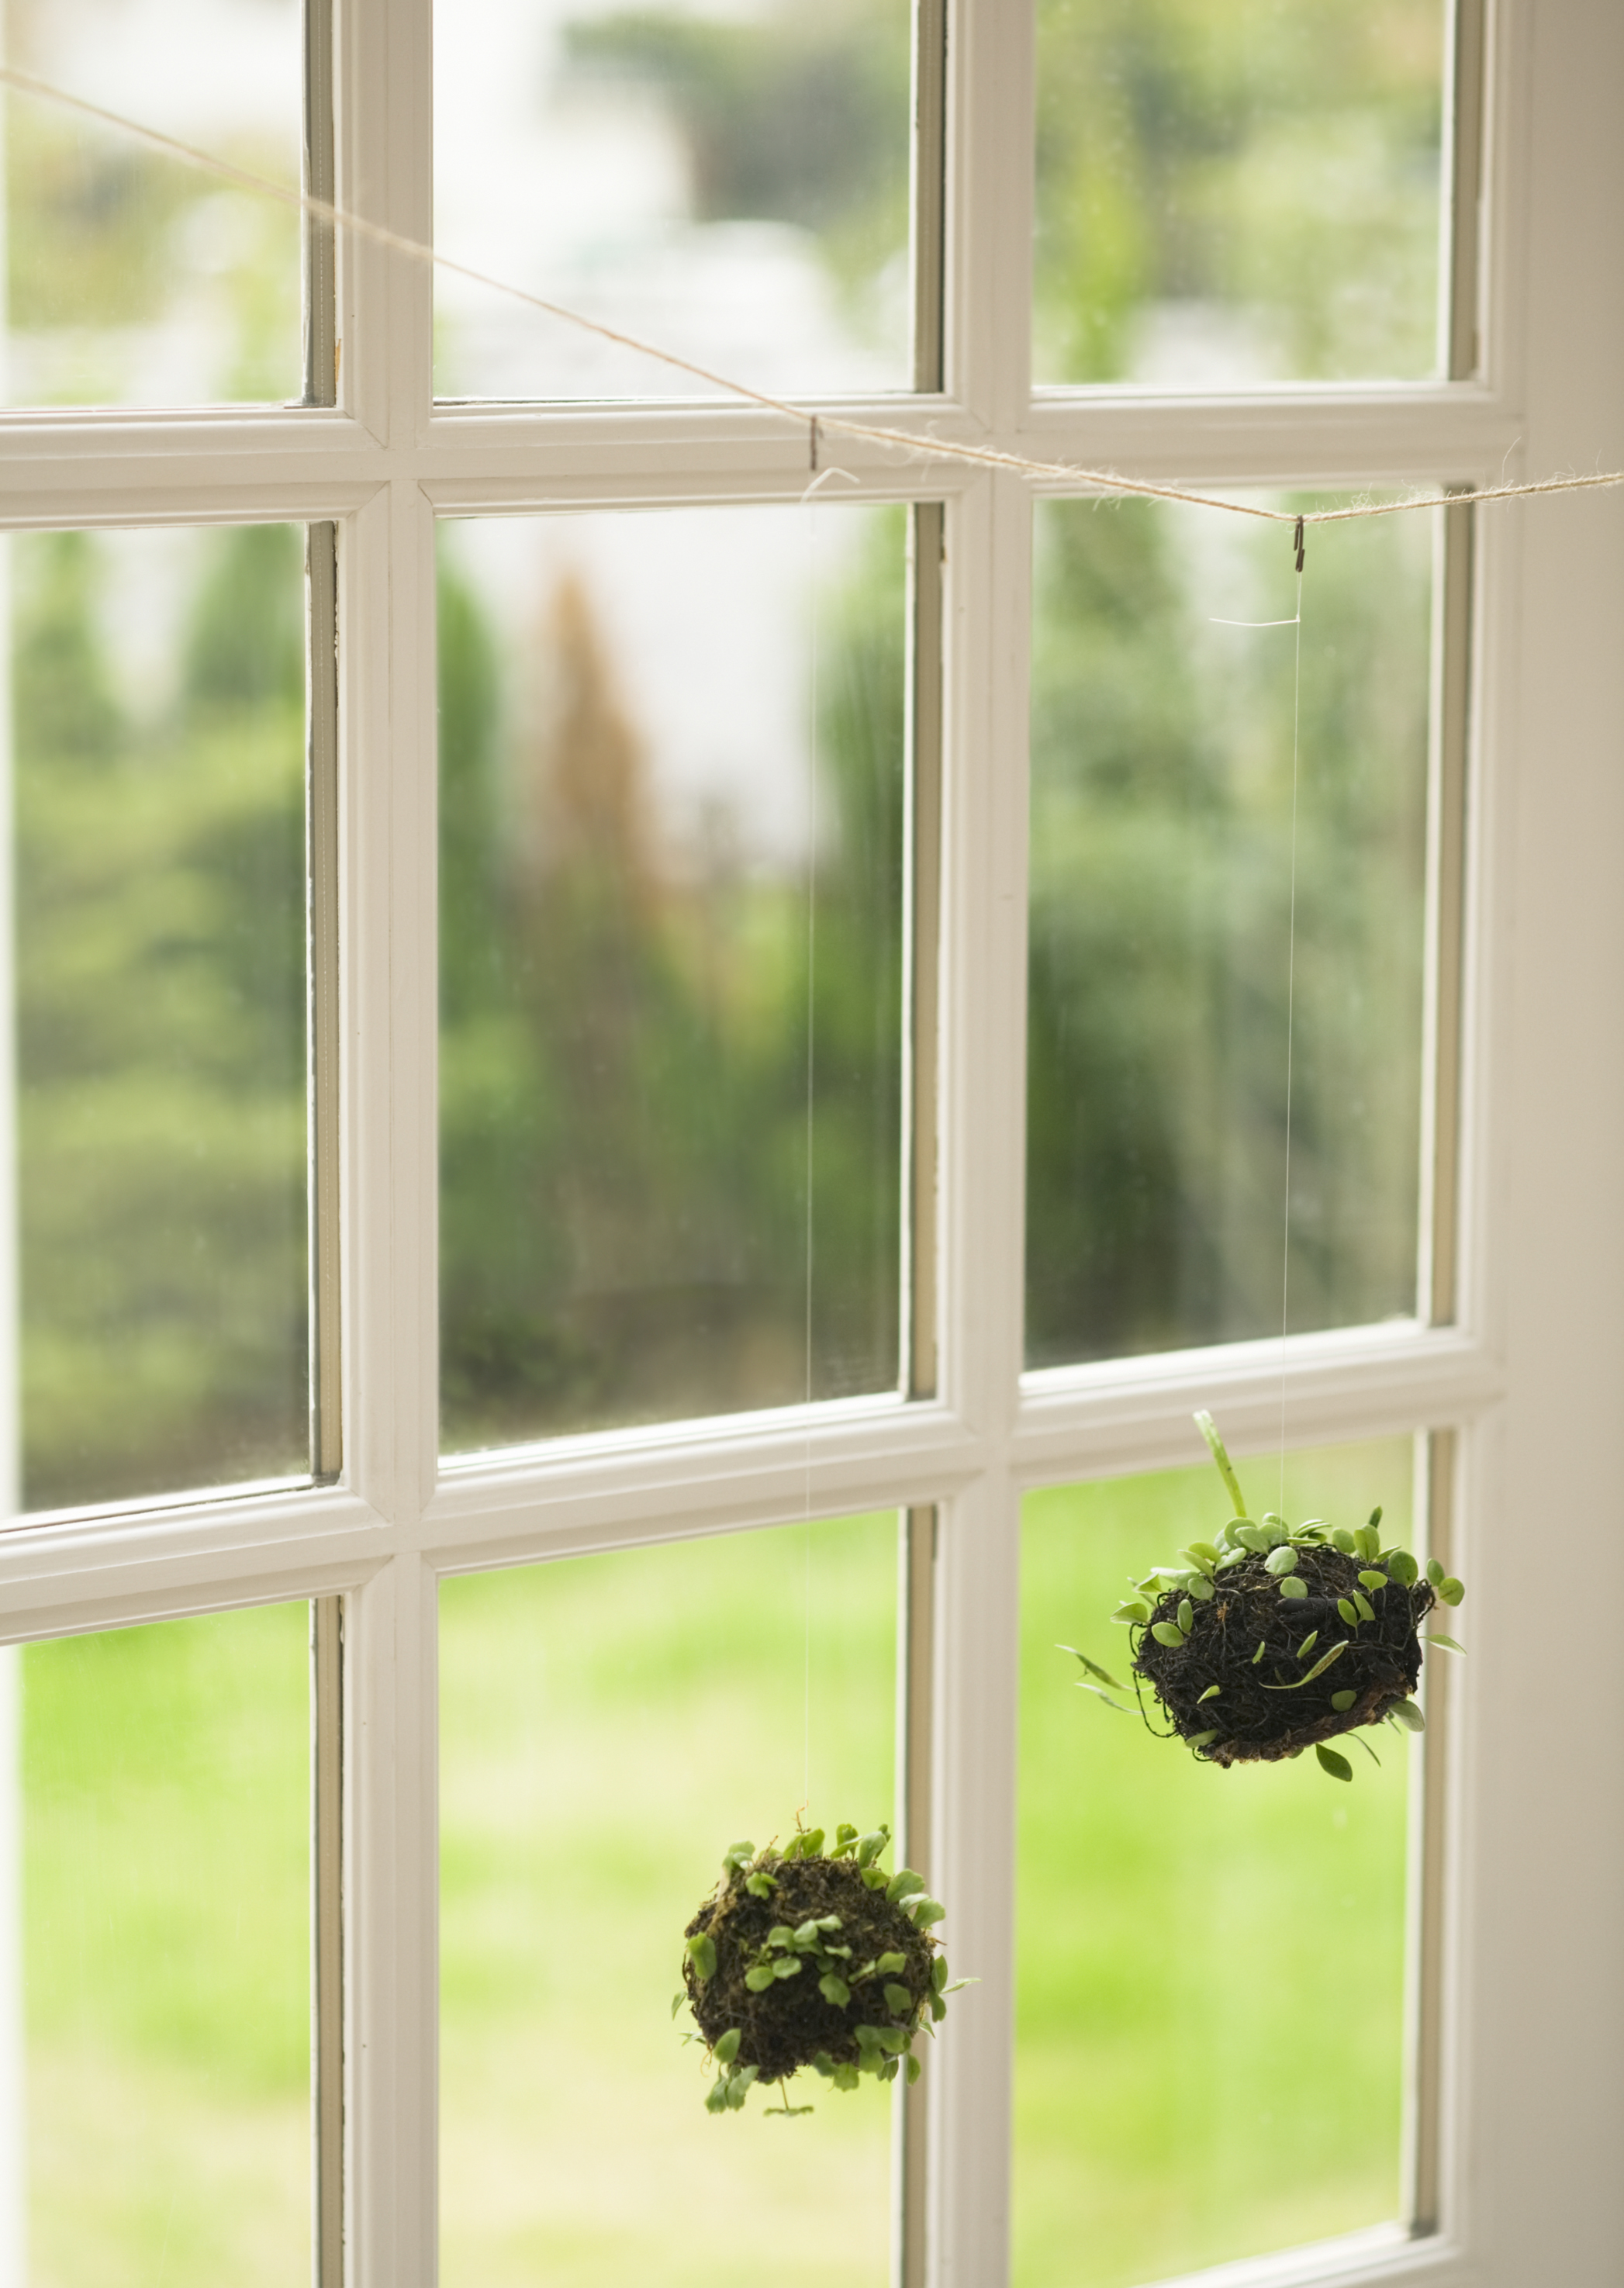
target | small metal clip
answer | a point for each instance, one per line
(1296, 537)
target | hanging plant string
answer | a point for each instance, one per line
(1107, 483)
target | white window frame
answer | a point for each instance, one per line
(1528, 1859)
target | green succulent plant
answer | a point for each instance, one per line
(807, 1957)
(1273, 1638)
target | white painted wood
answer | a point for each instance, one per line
(1534, 2006)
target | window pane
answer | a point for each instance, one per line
(1161, 899)
(726, 181)
(609, 1726)
(1210, 2045)
(166, 1973)
(1236, 191)
(158, 794)
(671, 784)
(134, 278)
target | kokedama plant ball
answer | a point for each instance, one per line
(804, 1958)
(1276, 1638)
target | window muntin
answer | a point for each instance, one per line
(165, 1874)
(1236, 194)
(672, 798)
(158, 792)
(609, 1726)
(1162, 921)
(1210, 2030)
(732, 185)
(133, 278)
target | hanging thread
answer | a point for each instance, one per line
(1104, 483)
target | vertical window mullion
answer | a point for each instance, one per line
(327, 1935)
(928, 234)
(322, 958)
(1463, 113)
(321, 182)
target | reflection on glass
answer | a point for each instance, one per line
(1236, 191)
(726, 181)
(608, 1727)
(165, 1822)
(670, 785)
(134, 278)
(157, 694)
(1210, 1964)
(1161, 966)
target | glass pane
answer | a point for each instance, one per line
(157, 719)
(671, 800)
(166, 1956)
(608, 1727)
(727, 181)
(1210, 2045)
(1161, 899)
(1236, 191)
(135, 279)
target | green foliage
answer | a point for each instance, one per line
(1161, 824)
(160, 907)
(1275, 159)
(790, 116)
(624, 1056)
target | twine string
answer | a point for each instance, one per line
(1104, 483)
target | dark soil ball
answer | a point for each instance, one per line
(1263, 1709)
(785, 2027)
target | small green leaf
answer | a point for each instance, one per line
(939, 1972)
(899, 2001)
(1343, 1539)
(1366, 1610)
(1202, 1589)
(1134, 1614)
(760, 1885)
(1435, 1572)
(1294, 1586)
(870, 1846)
(834, 1990)
(1186, 1615)
(1448, 1643)
(677, 2002)
(914, 2069)
(788, 1966)
(702, 1954)
(1318, 1669)
(1375, 1516)
(888, 1965)
(1093, 1666)
(1167, 1633)
(727, 2048)
(738, 1855)
(1342, 1701)
(1338, 1767)
(1451, 1591)
(1207, 1549)
(1406, 1712)
(925, 1912)
(1371, 1580)
(1281, 1562)
(1349, 1611)
(760, 1978)
(1401, 1567)
(893, 2038)
(938, 2008)
(903, 1883)
(1258, 1655)
(875, 1878)
(844, 1833)
(868, 2037)
(781, 1934)
(1201, 1739)
(1308, 1644)
(715, 2096)
(1211, 1692)
(806, 1934)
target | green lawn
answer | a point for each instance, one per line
(166, 1937)
(1210, 1963)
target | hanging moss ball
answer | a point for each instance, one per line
(806, 1957)
(1252, 1673)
